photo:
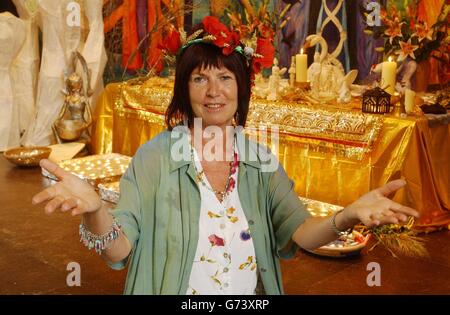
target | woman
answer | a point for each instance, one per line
(192, 220)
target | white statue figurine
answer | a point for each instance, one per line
(274, 81)
(326, 74)
(260, 87)
(326, 82)
(314, 71)
(345, 91)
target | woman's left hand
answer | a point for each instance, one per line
(375, 208)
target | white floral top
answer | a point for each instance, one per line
(225, 260)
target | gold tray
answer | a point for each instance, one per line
(109, 191)
(95, 169)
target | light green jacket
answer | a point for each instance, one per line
(159, 210)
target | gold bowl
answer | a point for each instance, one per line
(69, 129)
(27, 156)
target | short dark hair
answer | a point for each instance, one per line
(207, 55)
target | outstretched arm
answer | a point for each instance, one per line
(73, 194)
(372, 209)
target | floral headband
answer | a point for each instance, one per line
(259, 50)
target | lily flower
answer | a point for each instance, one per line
(394, 29)
(422, 31)
(406, 49)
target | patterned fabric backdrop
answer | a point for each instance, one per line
(134, 27)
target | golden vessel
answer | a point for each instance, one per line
(27, 156)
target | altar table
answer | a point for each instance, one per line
(333, 153)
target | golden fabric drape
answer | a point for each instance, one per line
(323, 167)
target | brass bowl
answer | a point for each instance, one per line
(70, 130)
(27, 156)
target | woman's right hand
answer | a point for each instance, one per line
(70, 193)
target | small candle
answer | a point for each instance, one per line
(388, 74)
(409, 100)
(301, 67)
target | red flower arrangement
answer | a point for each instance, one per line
(258, 32)
(220, 35)
(171, 41)
(266, 52)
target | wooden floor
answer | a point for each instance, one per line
(36, 249)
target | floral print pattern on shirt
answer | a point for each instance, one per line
(225, 261)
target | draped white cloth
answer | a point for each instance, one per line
(25, 68)
(50, 98)
(94, 49)
(12, 37)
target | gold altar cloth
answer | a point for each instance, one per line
(334, 154)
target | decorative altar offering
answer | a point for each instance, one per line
(376, 101)
(95, 169)
(75, 116)
(347, 245)
(27, 156)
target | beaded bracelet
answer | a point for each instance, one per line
(334, 227)
(99, 242)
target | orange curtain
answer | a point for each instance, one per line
(111, 20)
(131, 57)
(428, 11)
(156, 20)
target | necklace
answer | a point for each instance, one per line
(200, 175)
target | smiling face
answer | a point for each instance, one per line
(213, 79)
(213, 94)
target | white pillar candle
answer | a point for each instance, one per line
(301, 67)
(409, 100)
(388, 74)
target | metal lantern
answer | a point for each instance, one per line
(376, 101)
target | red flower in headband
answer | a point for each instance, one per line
(224, 38)
(265, 52)
(214, 27)
(258, 49)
